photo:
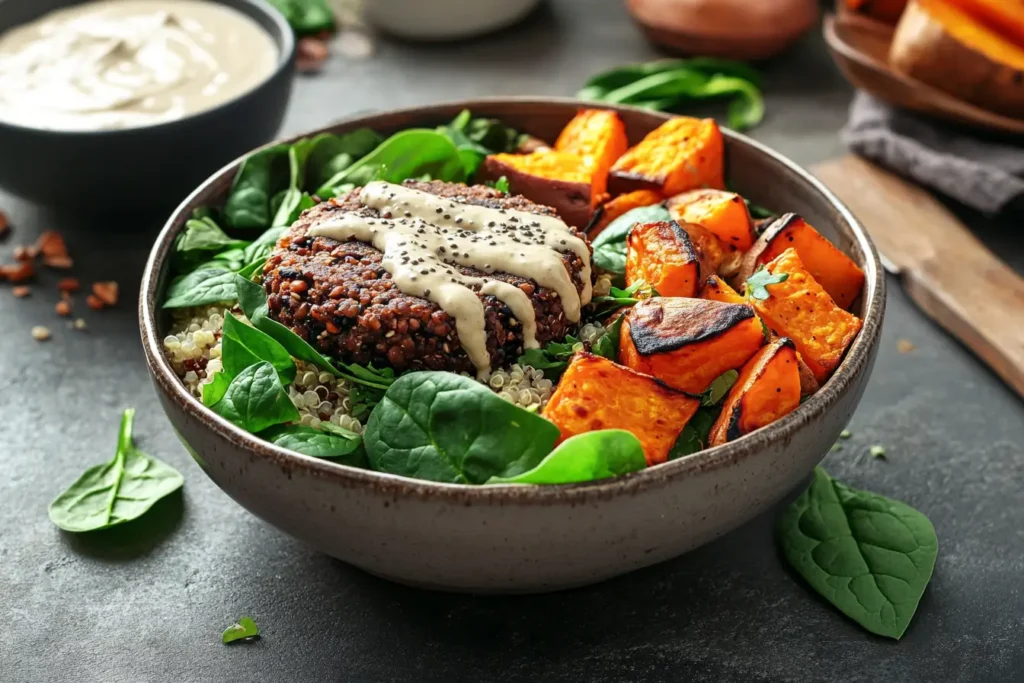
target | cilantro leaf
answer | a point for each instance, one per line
(757, 284)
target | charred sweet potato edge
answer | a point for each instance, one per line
(716, 318)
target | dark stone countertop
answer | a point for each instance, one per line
(147, 602)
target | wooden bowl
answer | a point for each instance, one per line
(521, 539)
(860, 47)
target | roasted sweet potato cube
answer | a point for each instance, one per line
(717, 289)
(679, 155)
(663, 255)
(598, 138)
(687, 343)
(710, 249)
(550, 178)
(725, 214)
(835, 271)
(799, 308)
(620, 205)
(596, 393)
(768, 388)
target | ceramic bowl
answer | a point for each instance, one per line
(438, 20)
(515, 539)
(150, 168)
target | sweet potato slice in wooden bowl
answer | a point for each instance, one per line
(687, 343)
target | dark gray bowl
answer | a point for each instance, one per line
(521, 539)
(142, 168)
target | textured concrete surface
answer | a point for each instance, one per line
(147, 602)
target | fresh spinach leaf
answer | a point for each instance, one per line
(667, 85)
(491, 134)
(757, 284)
(608, 344)
(263, 245)
(253, 301)
(215, 389)
(621, 297)
(407, 154)
(201, 287)
(445, 427)
(256, 400)
(554, 357)
(585, 457)
(242, 346)
(117, 491)
(719, 388)
(202, 239)
(306, 17)
(290, 205)
(243, 630)
(868, 555)
(262, 175)
(758, 211)
(339, 444)
(501, 185)
(332, 154)
(610, 245)
(694, 436)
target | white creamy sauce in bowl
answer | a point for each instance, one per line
(118, 64)
(423, 237)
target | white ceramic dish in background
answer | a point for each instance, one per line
(444, 19)
(522, 539)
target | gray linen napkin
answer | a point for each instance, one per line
(985, 173)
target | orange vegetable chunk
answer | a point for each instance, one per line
(717, 289)
(681, 154)
(725, 214)
(598, 138)
(663, 255)
(620, 205)
(596, 393)
(802, 310)
(550, 178)
(834, 271)
(688, 343)
(768, 388)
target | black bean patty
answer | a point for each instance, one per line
(338, 297)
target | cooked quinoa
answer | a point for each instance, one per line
(194, 349)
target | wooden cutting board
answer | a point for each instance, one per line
(948, 272)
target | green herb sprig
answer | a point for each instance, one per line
(757, 284)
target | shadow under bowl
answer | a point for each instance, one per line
(149, 168)
(521, 539)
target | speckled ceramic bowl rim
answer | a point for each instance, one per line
(284, 40)
(856, 361)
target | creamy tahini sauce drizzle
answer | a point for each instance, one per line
(129, 63)
(422, 236)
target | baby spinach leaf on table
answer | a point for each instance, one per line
(243, 630)
(407, 154)
(339, 444)
(117, 491)
(256, 400)
(667, 85)
(449, 428)
(610, 245)
(585, 457)
(868, 555)
(757, 284)
(242, 346)
(501, 185)
(201, 287)
(332, 154)
(262, 175)
(214, 390)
